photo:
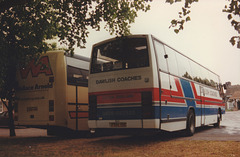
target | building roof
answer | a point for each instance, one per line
(232, 89)
(235, 95)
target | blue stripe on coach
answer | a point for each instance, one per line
(188, 92)
(130, 113)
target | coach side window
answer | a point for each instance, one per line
(213, 80)
(205, 77)
(184, 68)
(76, 76)
(161, 56)
(196, 71)
(172, 61)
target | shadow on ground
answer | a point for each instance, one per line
(142, 139)
(139, 139)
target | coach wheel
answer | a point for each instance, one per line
(217, 125)
(190, 123)
(51, 131)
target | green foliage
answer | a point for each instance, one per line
(201, 80)
(186, 75)
(233, 10)
(26, 24)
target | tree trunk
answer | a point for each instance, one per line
(11, 120)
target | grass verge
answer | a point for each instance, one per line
(115, 147)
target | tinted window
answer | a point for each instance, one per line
(202, 75)
(205, 76)
(172, 61)
(120, 54)
(160, 54)
(184, 69)
(196, 70)
(76, 76)
(213, 79)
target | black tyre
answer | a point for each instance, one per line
(217, 125)
(51, 131)
(190, 130)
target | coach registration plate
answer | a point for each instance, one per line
(118, 124)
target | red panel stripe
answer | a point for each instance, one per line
(134, 95)
(204, 99)
(166, 94)
(123, 91)
(179, 89)
(119, 98)
(72, 114)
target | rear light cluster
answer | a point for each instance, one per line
(51, 117)
(51, 105)
(15, 118)
(16, 108)
(16, 112)
(51, 109)
(92, 107)
(147, 108)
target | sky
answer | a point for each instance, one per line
(205, 38)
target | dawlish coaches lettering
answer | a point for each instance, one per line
(119, 79)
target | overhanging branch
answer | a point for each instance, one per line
(7, 4)
(4, 102)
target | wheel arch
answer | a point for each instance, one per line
(191, 121)
(192, 109)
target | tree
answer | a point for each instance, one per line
(26, 24)
(233, 10)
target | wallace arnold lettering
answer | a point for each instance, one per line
(119, 79)
(36, 87)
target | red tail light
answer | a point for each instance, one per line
(15, 118)
(51, 117)
(51, 105)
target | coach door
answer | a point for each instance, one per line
(163, 75)
(202, 96)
